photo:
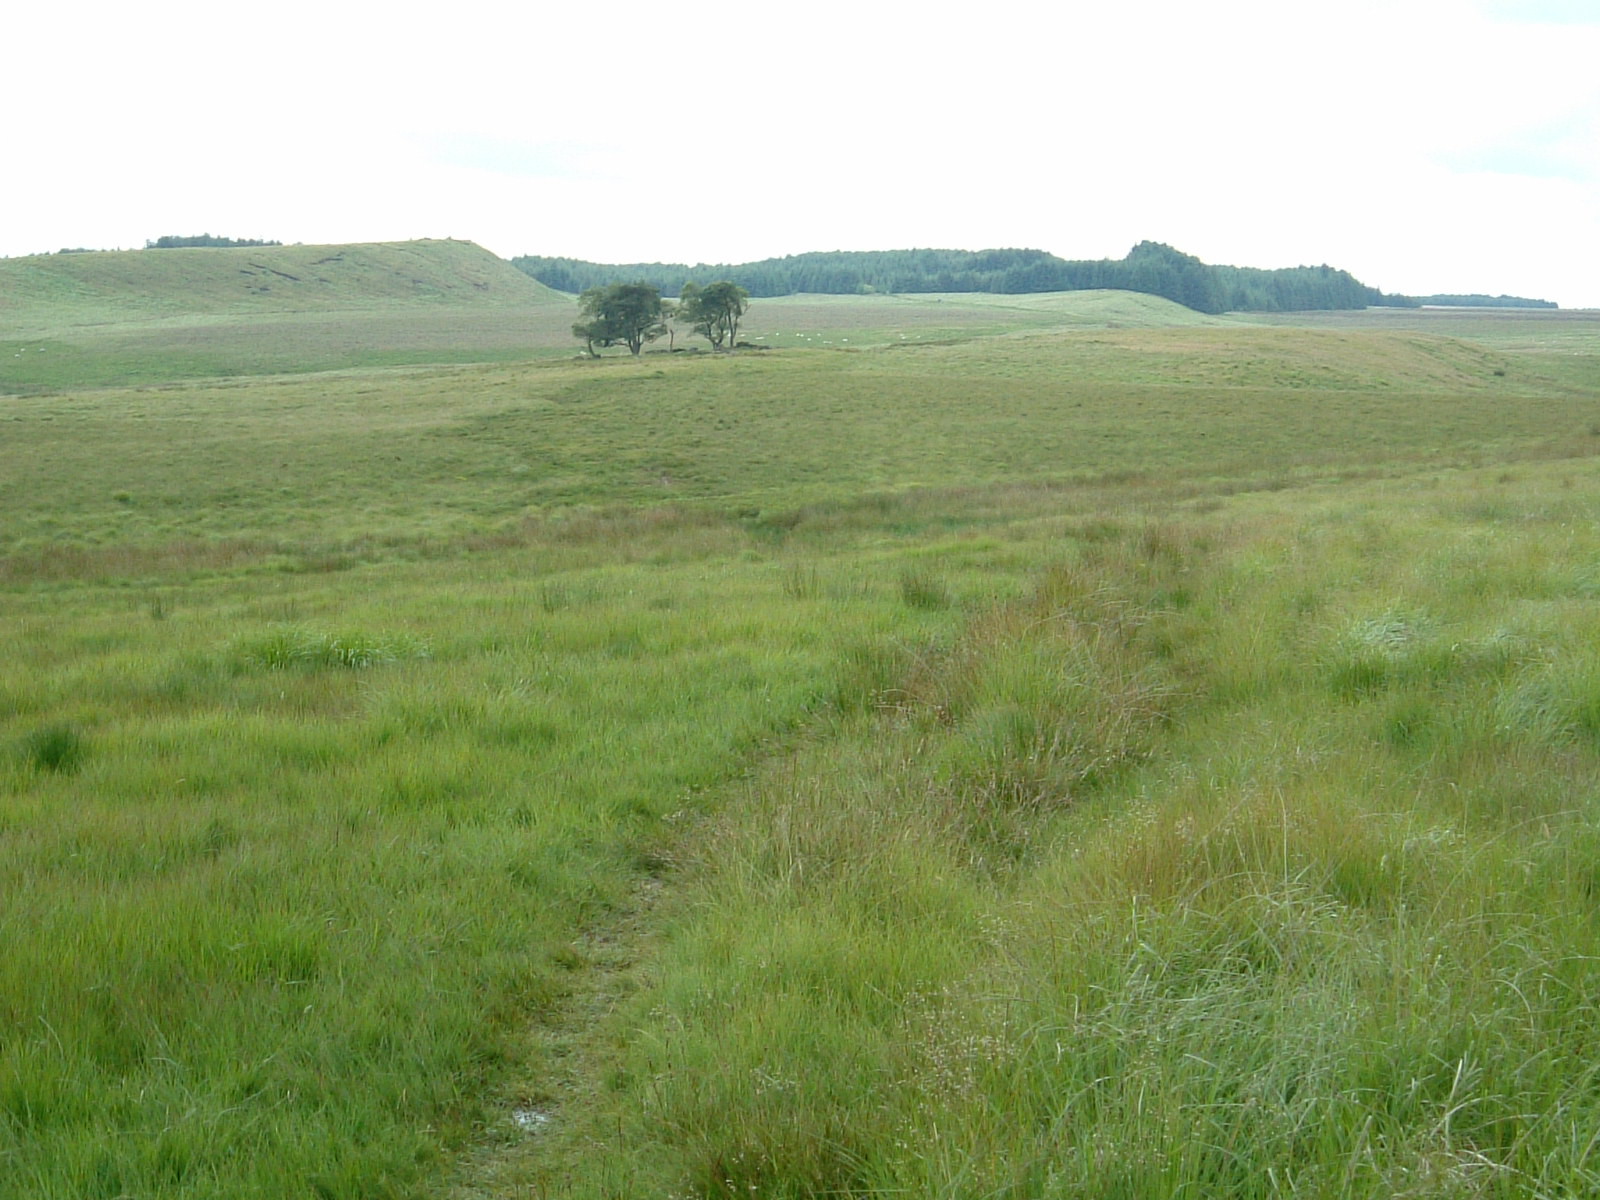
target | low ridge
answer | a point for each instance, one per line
(82, 288)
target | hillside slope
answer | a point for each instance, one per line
(68, 289)
(1090, 308)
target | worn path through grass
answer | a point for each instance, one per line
(1250, 850)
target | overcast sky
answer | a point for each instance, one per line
(1424, 145)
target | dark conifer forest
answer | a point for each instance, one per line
(1149, 267)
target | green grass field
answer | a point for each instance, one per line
(153, 316)
(1072, 749)
(67, 354)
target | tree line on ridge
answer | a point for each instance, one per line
(1150, 267)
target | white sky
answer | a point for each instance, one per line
(1424, 145)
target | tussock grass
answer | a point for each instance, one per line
(290, 870)
(1079, 914)
(308, 648)
(57, 748)
(920, 588)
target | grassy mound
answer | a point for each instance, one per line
(153, 316)
(71, 289)
(1101, 307)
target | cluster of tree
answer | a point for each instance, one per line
(1477, 301)
(713, 311)
(171, 242)
(1149, 267)
(632, 314)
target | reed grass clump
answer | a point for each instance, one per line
(921, 588)
(1370, 653)
(802, 581)
(57, 748)
(309, 649)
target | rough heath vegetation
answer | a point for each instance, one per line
(1037, 746)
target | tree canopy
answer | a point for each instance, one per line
(1480, 301)
(1149, 267)
(627, 314)
(174, 242)
(714, 311)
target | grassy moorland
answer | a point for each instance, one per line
(153, 316)
(1050, 759)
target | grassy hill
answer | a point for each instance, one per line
(151, 316)
(122, 285)
(1100, 306)
(857, 321)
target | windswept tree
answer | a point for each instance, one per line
(714, 311)
(625, 314)
(592, 334)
